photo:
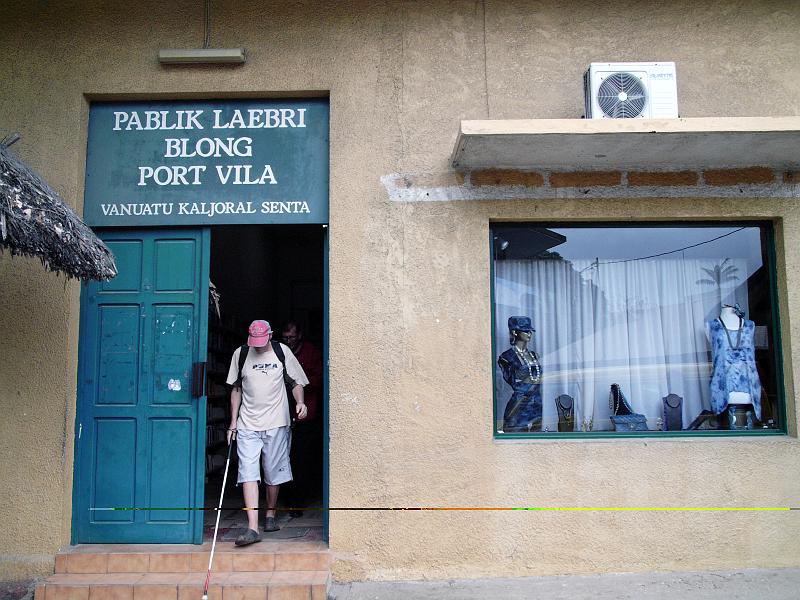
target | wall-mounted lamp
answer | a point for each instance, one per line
(178, 56)
(204, 55)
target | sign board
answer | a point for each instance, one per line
(207, 163)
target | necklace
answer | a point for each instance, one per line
(566, 409)
(738, 334)
(530, 360)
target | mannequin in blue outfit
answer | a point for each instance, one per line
(522, 370)
(734, 378)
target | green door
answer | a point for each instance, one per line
(140, 425)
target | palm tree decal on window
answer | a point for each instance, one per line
(718, 276)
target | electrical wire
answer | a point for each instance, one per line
(207, 25)
(612, 262)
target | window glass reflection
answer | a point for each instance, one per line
(657, 328)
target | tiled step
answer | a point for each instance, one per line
(240, 585)
(264, 556)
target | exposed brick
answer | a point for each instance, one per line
(737, 176)
(453, 178)
(585, 178)
(636, 178)
(506, 177)
(791, 177)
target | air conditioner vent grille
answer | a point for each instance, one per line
(622, 96)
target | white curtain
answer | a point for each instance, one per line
(638, 323)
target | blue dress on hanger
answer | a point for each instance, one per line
(733, 365)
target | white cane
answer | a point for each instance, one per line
(219, 511)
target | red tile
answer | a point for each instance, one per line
(61, 563)
(223, 562)
(67, 592)
(245, 592)
(290, 592)
(129, 563)
(248, 578)
(155, 592)
(194, 592)
(253, 562)
(111, 592)
(169, 563)
(293, 577)
(87, 563)
(305, 561)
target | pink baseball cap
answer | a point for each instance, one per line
(259, 334)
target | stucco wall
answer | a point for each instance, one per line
(410, 357)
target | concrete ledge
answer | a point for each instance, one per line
(628, 144)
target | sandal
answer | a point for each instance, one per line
(248, 537)
(270, 525)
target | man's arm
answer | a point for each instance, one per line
(236, 400)
(299, 399)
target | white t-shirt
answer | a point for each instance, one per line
(264, 404)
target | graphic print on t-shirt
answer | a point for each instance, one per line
(264, 404)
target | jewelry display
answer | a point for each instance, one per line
(738, 344)
(565, 406)
(531, 361)
(673, 412)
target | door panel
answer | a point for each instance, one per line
(174, 335)
(114, 468)
(170, 466)
(140, 440)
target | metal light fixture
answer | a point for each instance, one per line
(204, 55)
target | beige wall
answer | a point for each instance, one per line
(410, 360)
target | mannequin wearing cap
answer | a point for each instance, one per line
(522, 370)
(260, 418)
(734, 377)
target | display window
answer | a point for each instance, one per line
(635, 329)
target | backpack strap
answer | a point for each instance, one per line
(276, 348)
(243, 350)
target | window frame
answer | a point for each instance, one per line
(767, 225)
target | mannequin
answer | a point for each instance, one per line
(522, 370)
(734, 380)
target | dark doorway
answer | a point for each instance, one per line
(275, 273)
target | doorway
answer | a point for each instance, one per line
(275, 273)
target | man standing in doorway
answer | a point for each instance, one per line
(306, 452)
(262, 428)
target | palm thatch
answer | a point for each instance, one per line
(35, 221)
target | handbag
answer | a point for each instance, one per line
(624, 419)
(632, 422)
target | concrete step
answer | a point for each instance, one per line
(265, 556)
(240, 585)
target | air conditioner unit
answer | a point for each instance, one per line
(631, 91)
